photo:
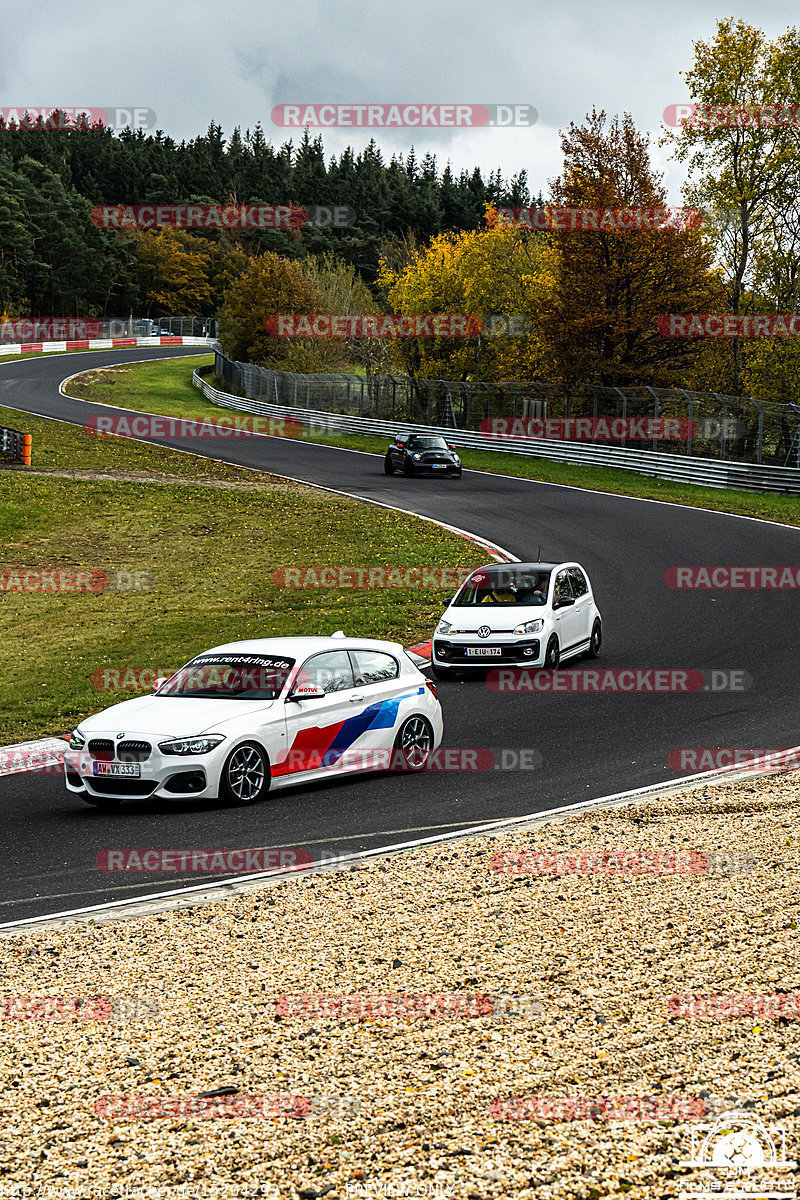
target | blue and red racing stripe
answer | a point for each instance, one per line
(323, 745)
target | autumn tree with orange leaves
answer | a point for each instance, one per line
(599, 322)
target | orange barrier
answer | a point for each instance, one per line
(17, 445)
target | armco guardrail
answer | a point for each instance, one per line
(702, 424)
(746, 477)
(15, 444)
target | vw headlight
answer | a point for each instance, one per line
(416, 457)
(530, 627)
(443, 627)
(76, 740)
(197, 745)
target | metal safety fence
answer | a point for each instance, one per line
(719, 473)
(59, 329)
(705, 424)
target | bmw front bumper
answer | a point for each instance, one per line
(111, 773)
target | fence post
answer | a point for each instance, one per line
(689, 431)
(655, 415)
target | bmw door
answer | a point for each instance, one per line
(318, 727)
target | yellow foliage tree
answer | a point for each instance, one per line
(172, 271)
(477, 273)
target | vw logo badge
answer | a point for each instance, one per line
(484, 631)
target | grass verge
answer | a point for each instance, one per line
(211, 537)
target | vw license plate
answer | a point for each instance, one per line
(104, 768)
(483, 651)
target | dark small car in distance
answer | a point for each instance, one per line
(422, 454)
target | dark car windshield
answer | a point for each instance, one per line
(230, 677)
(427, 443)
(504, 585)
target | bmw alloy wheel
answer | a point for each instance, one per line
(245, 776)
(413, 745)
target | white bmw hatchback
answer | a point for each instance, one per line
(247, 717)
(518, 614)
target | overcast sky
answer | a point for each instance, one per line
(232, 62)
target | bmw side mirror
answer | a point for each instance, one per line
(446, 601)
(159, 683)
(306, 692)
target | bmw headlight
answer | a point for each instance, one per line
(76, 740)
(456, 459)
(530, 627)
(416, 457)
(196, 745)
(443, 627)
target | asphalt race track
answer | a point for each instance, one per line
(590, 744)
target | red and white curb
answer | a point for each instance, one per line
(100, 344)
(45, 754)
(421, 653)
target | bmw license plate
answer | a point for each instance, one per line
(439, 466)
(483, 651)
(104, 768)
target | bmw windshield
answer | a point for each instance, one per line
(230, 677)
(505, 585)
